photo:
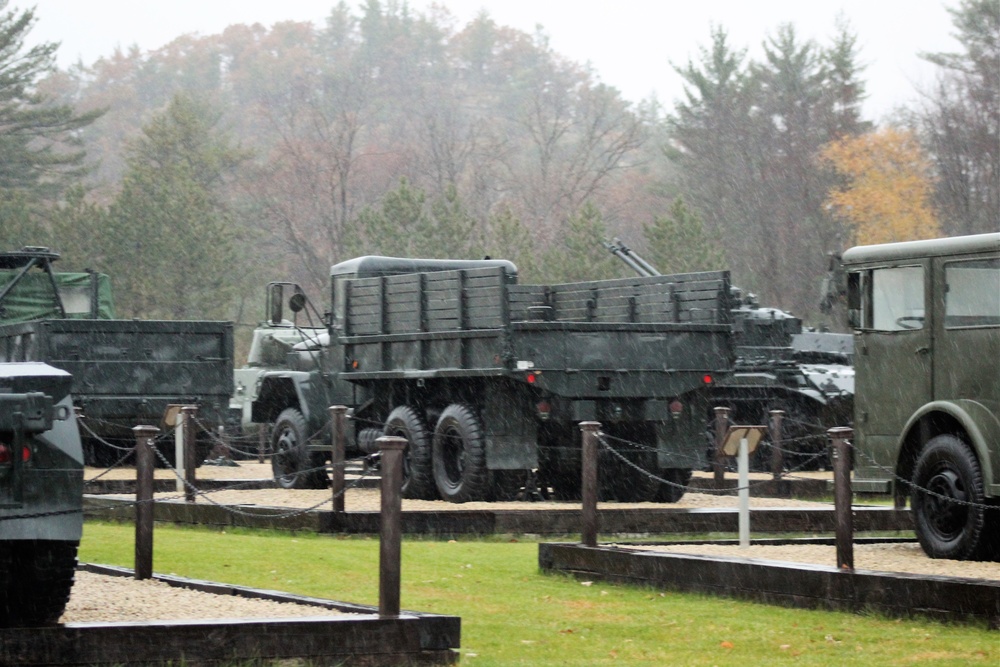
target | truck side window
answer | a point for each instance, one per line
(972, 297)
(897, 298)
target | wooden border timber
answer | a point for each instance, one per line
(511, 521)
(783, 583)
(362, 639)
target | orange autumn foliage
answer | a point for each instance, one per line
(887, 186)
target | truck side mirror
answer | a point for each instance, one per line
(297, 302)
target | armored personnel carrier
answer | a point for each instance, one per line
(41, 493)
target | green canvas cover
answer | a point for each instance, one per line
(32, 298)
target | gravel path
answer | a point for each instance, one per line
(888, 557)
(98, 597)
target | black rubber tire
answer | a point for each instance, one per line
(948, 467)
(668, 493)
(460, 456)
(35, 581)
(418, 474)
(290, 462)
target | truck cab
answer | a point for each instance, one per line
(926, 317)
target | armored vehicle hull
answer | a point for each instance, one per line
(41, 493)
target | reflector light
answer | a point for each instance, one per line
(4, 454)
(543, 408)
(676, 407)
(707, 379)
(25, 454)
(530, 378)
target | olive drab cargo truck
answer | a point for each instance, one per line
(41, 493)
(125, 372)
(488, 380)
(926, 316)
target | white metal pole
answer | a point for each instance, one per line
(743, 466)
(179, 449)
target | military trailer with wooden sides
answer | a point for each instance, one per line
(125, 372)
(488, 380)
(926, 316)
(41, 493)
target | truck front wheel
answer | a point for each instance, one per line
(418, 477)
(294, 467)
(947, 500)
(460, 455)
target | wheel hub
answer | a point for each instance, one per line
(946, 517)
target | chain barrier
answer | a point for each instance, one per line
(113, 466)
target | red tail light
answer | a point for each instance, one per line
(544, 409)
(7, 454)
(676, 408)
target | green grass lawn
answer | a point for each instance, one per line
(514, 615)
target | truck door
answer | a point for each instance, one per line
(893, 359)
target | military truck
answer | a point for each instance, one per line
(41, 493)
(488, 379)
(926, 320)
(779, 366)
(273, 341)
(125, 372)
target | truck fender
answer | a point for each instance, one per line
(277, 392)
(979, 423)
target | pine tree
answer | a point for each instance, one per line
(677, 242)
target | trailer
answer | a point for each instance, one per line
(488, 380)
(125, 372)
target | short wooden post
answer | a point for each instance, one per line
(842, 496)
(144, 463)
(588, 484)
(718, 462)
(189, 413)
(338, 420)
(390, 533)
(777, 444)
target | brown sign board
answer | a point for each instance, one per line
(753, 434)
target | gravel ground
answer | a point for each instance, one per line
(103, 598)
(888, 557)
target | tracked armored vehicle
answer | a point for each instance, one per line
(41, 493)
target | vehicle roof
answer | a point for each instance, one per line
(375, 265)
(955, 245)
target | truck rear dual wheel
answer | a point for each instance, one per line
(35, 581)
(293, 466)
(459, 448)
(947, 501)
(418, 475)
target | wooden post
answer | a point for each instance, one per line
(777, 444)
(144, 463)
(841, 456)
(588, 484)
(390, 533)
(721, 425)
(338, 419)
(190, 451)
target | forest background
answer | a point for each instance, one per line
(195, 173)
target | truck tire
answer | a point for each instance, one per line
(948, 470)
(460, 455)
(418, 474)
(291, 463)
(35, 581)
